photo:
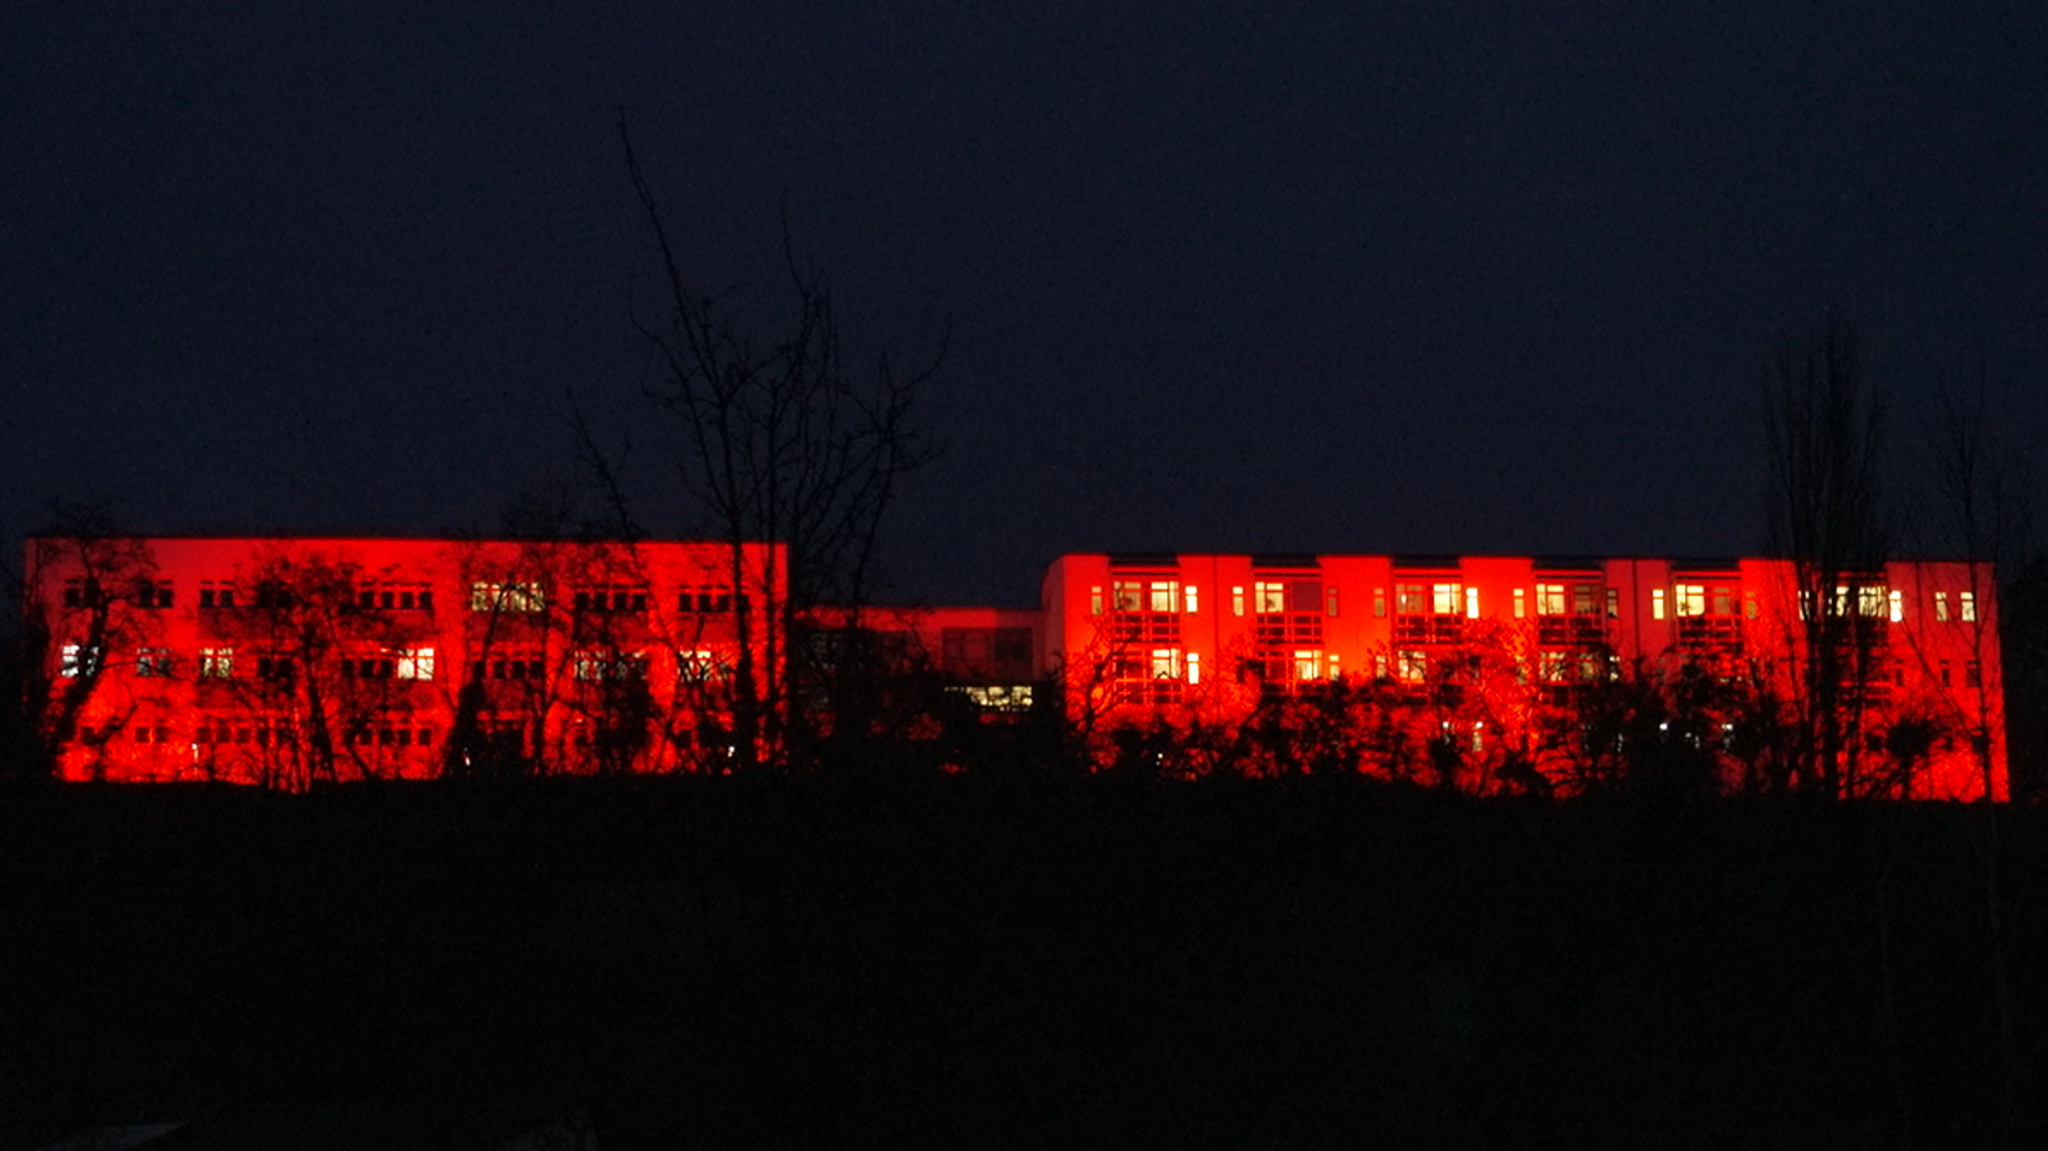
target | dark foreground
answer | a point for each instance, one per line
(682, 963)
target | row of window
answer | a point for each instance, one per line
(1450, 598)
(405, 596)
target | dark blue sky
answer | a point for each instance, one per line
(1386, 278)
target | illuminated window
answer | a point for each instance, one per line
(1521, 603)
(216, 662)
(1411, 666)
(1898, 606)
(416, 663)
(1269, 596)
(1691, 600)
(1379, 603)
(1550, 599)
(1941, 606)
(1191, 598)
(1194, 667)
(1657, 603)
(1554, 666)
(1237, 599)
(1162, 596)
(1308, 665)
(1446, 598)
(1126, 595)
(1411, 598)
(1165, 663)
(1471, 603)
(1749, 604)
(1613, 603)
(1872, 602)
(700, 667)
(154, 662)
(1335, 673)
(1968, 602)
(598, 666)
(1095, 600)
(516, 597)
(79, 660)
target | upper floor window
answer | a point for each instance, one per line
(83, 593)
(1968, 602)
(153, 593)
(216, 662)
(611, 599)
(1941, 607)
(389, 596)
(153, 662)
(519, 597)
(79, 660)
(1445, 598)
(707, 600)
(416, 663)
(595, 666)
(216, 593)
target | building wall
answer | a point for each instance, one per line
(1499, 652)
(285, 662)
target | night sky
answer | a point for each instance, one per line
(1378, 278)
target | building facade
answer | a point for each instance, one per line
(1499, 671)
(290, 662)
(287, 662)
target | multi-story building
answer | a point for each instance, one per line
(1514, 664)
(287, 662)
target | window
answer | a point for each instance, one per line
(1749, 605)
(1521, 603)
(416, 663)
(1471, 603)
(1379, 603)
(1872, 602)
(272, 593)
(1191, 599)
(1095, 600)
(610, 599)
(1194, 667)
(1943, 673)
(82, 593)
(152, 593)
(519, 597)
(153, 662)
(216, 593)
(1330, 602)
(1973, 674)
(1968, 602)
(1269, 596)
(1941, 606)
(1308, 665)
(595, 666)
(1657, 603)
(1166, 663)
(274, 668)
(1613, 603)
(79, 660)
(216, 662)
(1445, 598)
(1163, 597)
(1411, 666)
(1550, 599)
(389, 596)
(1898, 606)
(1126, 595)
(1237, 599)
(1411, 599)
(700, 667)
(1691, 600)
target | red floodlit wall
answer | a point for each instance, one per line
(1518, 664)
(286, 662)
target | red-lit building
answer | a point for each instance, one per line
(290, 661)
(1499, 669)
(287, 662)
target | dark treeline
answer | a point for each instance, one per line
(979, 961)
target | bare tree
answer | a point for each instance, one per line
(783, 442)
(1824, 424)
